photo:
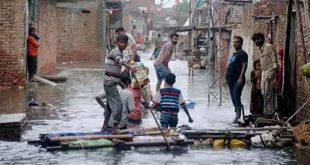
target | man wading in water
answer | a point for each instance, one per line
(162, 62)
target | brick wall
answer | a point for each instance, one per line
(12, 61)
(271, 8)
(47, 28)
(279, 8)
(246, 30)
(280, 31)
(79, 35)
(303, 83)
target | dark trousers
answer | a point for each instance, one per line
(235, 93)
(32, 65)
(114, 104)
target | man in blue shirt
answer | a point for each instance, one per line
(235, 75)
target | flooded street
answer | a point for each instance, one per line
(77, 111)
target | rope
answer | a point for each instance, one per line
(226, 138)
(296, 112)
(80, 143)
(262, 140)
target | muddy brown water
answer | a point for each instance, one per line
(76, 110)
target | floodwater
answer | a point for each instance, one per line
(76, 110)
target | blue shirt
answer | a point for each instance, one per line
(235, 66)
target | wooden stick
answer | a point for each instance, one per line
(145, 99)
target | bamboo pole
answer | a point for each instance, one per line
(45, 81)
(161, 131)
(92, 137)
(245, 136)
(247, 129)
(126, 144)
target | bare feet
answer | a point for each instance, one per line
(100, 102)
(114, 130)
(105, 128)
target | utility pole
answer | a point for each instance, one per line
(190, 25)
(287, 86)
(215, 27)
(104, 29)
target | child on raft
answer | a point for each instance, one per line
(167, 100)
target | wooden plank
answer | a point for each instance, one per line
(120, 145)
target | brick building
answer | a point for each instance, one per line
(302, 82)
(12, 42)
(46, 25)
(70, 31)
(270, 18)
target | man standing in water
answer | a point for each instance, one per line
(269, 65)
(158, 44)
(130, 53)
(113, 68)
(162, 62)
(235, 76)
(33, 51)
